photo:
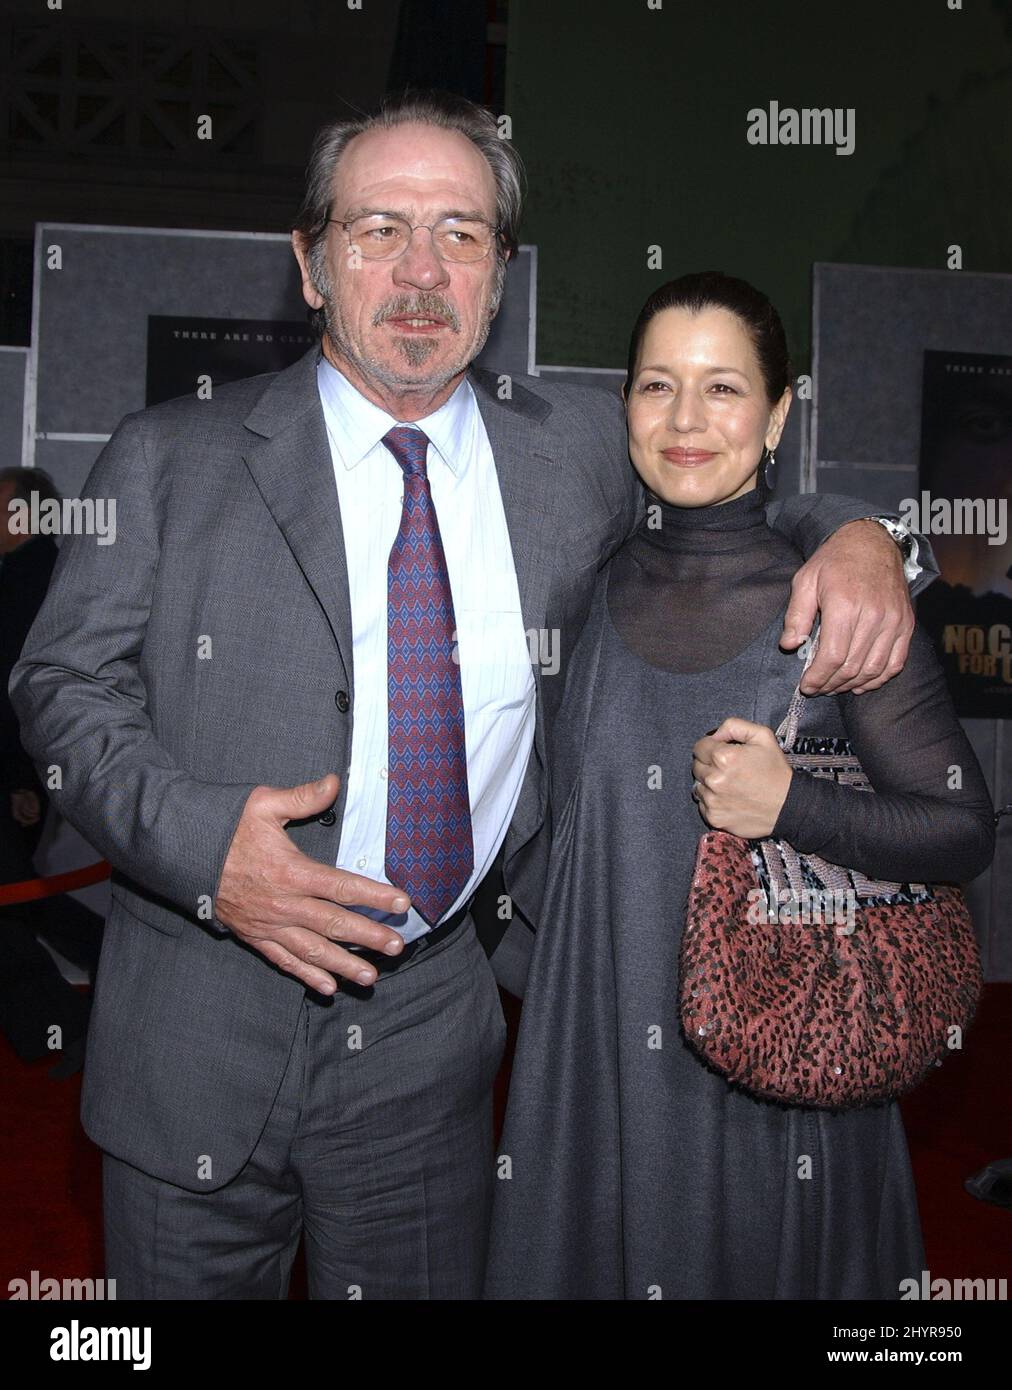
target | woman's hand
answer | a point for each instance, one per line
(741, 778)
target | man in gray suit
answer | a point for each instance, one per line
(300, 717)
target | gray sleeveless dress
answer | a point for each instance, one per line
(627, 1170)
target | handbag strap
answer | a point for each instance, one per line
(787, 874)
(787, 731)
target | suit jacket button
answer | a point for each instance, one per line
(327, 818)
(342, 702)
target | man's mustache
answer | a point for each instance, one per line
(420, 307)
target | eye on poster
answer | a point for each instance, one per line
(966, 482)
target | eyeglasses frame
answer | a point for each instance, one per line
(497, 231)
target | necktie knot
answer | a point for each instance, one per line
(408, 447)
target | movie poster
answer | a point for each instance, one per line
(966, 482)
(182, 350)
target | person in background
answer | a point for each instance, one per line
(26, 565)
(34, 996)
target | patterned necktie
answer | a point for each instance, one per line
(429, 852)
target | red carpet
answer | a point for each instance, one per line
(958, 1121)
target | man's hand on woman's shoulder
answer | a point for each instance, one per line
(855, 582)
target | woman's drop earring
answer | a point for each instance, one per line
(770, 471)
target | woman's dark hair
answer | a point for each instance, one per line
(712, 289)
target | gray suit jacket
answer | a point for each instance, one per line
(208, 651)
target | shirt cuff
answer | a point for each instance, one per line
(911, 569)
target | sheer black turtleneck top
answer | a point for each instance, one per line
(695, 585)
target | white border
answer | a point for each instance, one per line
(162, 231)
(593, 371)
(63, 437)
(27, 351)
(532, 311)
(32, 374)
(874, 467)
(810, 463)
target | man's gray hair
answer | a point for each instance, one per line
(434, 108)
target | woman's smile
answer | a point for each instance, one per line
(688, 458)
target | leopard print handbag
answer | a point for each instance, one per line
(807, 983)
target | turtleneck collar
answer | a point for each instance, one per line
(722, 525)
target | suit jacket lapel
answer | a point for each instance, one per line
(290, 461)
(529, 481)
(292, 467)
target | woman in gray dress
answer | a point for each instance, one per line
(627, 1169)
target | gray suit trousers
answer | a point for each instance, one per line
(379, 1148)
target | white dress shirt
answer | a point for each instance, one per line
(497, 682)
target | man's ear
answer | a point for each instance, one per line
(310, 293)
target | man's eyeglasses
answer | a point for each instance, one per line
(382, 236)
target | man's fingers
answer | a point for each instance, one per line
(876, 661)
(895, 661)
(314, 960)
(318, 953)
(342, 924)
(297, 803)
(349, 890)
(276, 954)
(800, 616)
(309, 973)
(831, 658)
(854, 666)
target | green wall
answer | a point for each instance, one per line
(632, 124)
